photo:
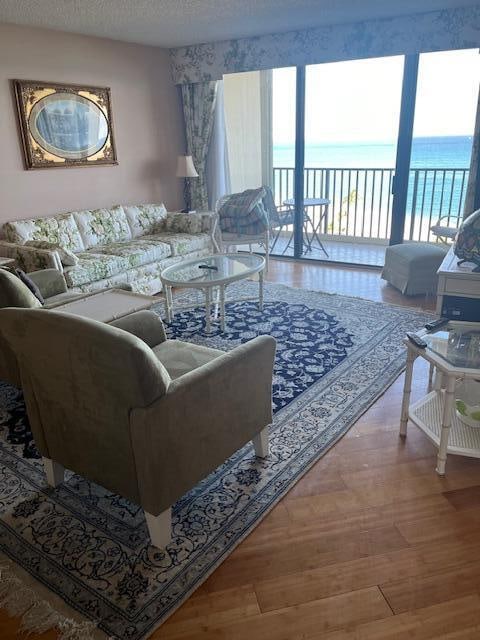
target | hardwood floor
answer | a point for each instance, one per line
(370, 545)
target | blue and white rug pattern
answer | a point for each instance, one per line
(335, 356)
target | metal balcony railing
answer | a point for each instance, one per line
(361, 200)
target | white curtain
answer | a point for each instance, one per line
(198, 111)
(217, 167)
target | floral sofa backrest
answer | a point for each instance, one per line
(61, 229)
(83, 230)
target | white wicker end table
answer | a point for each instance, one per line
(453, 352)
(212, 274)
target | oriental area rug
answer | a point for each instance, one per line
(78, 558)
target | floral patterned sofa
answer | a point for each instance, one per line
(103, 247)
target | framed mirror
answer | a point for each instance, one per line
(64, 125)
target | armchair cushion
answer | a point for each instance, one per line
(180, 358)
(50, 282)
(14, 293)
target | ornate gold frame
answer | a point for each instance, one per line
(28, 93)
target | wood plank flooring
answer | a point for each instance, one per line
(370, 545)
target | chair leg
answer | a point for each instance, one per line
(260, 443)
(160, 528)
(54, 472)
(267, 251)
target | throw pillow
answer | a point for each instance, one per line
(67, 258)
(28, 282)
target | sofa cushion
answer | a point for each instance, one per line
(61, 230)
(144, 219)
(93, 266)
(137, 252)
(184, 243)
(102, 226)
(180, 358)
(177, 222)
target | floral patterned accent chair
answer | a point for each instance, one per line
(148, 430)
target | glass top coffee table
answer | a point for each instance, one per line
(212, 274)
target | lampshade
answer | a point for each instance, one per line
(186, 168)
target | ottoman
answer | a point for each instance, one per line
(412, 267)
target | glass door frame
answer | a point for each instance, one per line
(404, 148)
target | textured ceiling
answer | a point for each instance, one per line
(172, 23)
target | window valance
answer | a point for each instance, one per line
(422, 32)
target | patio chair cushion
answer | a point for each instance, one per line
(244, 213)
(412, 267)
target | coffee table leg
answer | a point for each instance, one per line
(168, 303)
(222, 307)
(260, 290)
(208, 304)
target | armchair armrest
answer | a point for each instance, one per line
(146, 325)
(31, 258)
(51, 282)
(204, 417)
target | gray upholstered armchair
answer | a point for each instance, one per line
(141, 415)
(14, 293)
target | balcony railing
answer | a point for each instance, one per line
(361, 200)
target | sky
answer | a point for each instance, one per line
(359, 100)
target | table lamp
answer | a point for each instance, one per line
(186, 169)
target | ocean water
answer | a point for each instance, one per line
(431, 194)
(435, 152)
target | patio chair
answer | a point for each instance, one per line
(445, 232)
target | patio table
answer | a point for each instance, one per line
(307, 203)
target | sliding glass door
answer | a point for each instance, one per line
(444, 122)
(359, 154)
(352, 113)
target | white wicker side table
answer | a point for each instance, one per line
(454, 353)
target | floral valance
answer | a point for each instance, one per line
(433, 31)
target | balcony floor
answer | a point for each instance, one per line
(364, 253)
